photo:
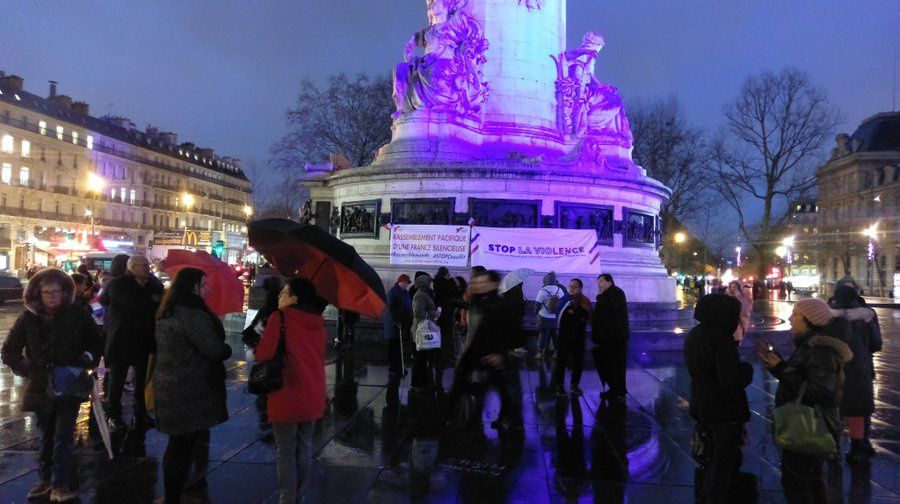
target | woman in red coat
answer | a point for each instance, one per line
(294, 408)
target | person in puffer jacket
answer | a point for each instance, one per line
(718, 398)
(818, 362)
(863, 336)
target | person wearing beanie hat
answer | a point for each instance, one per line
(413, 289)
(424, 308)
(546, 303)
(863, 336)
(818, 364)
(397, 324)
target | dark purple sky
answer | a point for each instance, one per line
(221, 73)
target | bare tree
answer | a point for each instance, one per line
(349, 116)
(775, 131)
(673, 152)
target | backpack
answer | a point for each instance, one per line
(552, 302)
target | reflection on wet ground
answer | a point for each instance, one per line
(381, 443)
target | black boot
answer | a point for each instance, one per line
(857, 453)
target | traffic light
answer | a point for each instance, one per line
(219, 250)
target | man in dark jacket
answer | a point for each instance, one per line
(718, 400)
(490, 328)
(445, 297)
(131, 301)
(397, 323)
(609, 332)
(573, 315)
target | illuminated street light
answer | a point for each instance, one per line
(188, 200)
(781, 251)
(95, 184)
(680, 237)
(248, 211)
(871, 231)
(789, 241)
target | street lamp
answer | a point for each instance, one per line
(95, 185)
(680, 237)
(248, 211)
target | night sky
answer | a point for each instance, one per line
(221, 73)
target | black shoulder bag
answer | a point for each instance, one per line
(268, 376)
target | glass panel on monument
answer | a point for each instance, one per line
(422, 211)
(360, 219)
(505, 213)
(597, 217)
(640, 229)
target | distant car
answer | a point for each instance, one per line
(10, 288)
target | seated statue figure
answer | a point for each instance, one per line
(448, 76)
(606, 114)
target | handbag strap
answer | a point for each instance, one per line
(279, 352)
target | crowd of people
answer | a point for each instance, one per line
(830, 372)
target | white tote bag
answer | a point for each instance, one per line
(428, 335)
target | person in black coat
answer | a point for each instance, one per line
(131, 301)
(609, 332)
(490, 327)
(445, 297)
(572, 317)
(397, 324)
(718, 400)
(863, 336)
(49, 345)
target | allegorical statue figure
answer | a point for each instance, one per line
(448, 77)
(587, 107)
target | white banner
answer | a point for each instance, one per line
(541, 249)
(430, 245)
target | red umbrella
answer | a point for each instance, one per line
(340, 275)
(225, 291)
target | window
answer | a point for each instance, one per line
(6, 145)
(75, 137)
(6, 173)
(122, 194)
(26, 148)
(23, 175)
(112, 193)
(131, 197)
(42, 127)
(90, 142)
(59, 132)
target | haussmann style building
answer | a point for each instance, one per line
(66, 175)
(859, 208)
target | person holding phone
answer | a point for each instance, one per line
(817, 362)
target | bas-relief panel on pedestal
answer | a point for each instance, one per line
(640, 229)
(584, 216)
(360, 219)
(422, 211)
(505, 213)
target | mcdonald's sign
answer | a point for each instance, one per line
(192, 238)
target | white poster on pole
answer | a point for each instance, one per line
(541, 249)
(430, 245)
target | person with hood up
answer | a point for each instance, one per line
(397, 323)
(547, 304)
(718, 400)
(295, 407)
(51, 344)
(573, 315)
(864, 339)
(817, 362)
(131, 301)
(424, 308)
(610, 331)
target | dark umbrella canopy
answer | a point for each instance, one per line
(340, 275)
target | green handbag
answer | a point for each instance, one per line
(803, 429)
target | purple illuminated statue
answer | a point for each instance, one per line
(448, 77)
(586, 107)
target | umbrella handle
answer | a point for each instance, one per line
(317, 269)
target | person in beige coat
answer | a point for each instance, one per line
(736, 291)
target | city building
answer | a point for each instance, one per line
(67, 176)
(859, 207)
(800, 247)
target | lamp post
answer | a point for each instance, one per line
(679, 239)
(248, 211)
(95, 185)
(187, 199)
(871, 233)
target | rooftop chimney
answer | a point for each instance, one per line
(169, 137)
(53, 84)
(13, 81)
(65, 101)
(81, 107)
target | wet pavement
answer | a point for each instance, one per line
(380, 443)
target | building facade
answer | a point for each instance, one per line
(859, 208)
(71, 183)
(800, 262)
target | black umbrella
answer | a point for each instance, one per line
(340, 275)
